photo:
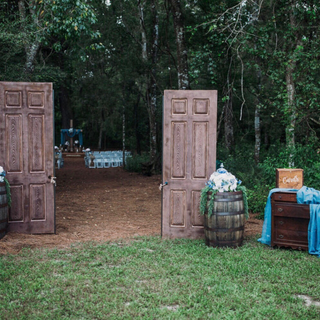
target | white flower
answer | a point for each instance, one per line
(1, 178)
(223, 181)
(1, 170)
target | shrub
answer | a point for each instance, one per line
(134, 163)
(257, 199)
(260, 179)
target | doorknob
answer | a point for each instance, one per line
(53, 180)
(163, 185)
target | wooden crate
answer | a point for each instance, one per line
(289, 178)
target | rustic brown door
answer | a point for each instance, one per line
(189, 157)
(26, 153)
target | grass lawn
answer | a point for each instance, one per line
(150, 278)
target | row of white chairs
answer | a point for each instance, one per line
(104, 159)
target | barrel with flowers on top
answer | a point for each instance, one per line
(225, 208)
(5, 201)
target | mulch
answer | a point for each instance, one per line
(102, 205)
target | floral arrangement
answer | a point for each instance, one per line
(221, 181)
(2, 174)
(3, 179)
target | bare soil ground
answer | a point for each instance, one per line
(101, 205)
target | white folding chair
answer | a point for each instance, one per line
(98, 160)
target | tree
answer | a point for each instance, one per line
(41, 21)
(182, 52)
(288, 57)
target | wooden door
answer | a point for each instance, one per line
(26, 153)
(189, 158)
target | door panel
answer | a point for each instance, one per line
(189, 156)
(26, 153)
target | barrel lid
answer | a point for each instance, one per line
(222, 170)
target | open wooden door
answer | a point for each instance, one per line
(26, 154)
(189, 158)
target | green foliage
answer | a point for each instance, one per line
(91, 51)
(257, 199)
(66, 19)
(312, 176)
(207, 200)
(240, 163)
(260, 179)
(134, 163)
(207, 196)
(8, 192)
(245, 200)
(304, 157)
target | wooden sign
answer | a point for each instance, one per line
(289, 178)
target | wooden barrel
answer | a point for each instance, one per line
(3, 210)
(225, 227)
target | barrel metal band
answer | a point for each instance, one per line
(224, 229)
(228, 213)
(227, 199)
(3, 205)
(3, 220)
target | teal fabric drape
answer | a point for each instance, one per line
(305, 195)
(311, 197)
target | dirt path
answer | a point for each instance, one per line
(101, 205)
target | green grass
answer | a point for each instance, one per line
(150, 278)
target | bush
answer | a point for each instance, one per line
(134, 163)
(303, 156)
(312, 176)
(260, 179)
(257, 199)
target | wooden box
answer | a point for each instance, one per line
(289, 221)
(289, 178)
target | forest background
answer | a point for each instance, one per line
(111, 60)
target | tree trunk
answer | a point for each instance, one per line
(124, 126)
(31, 49)
(149, 90)
(228, 121)
(100, 135)
(153, 84)
(143, 31)
(64, 102)
(182, 55)
(290, 130)
(290, 85)
(257, 121)
(257, 133)
(124, 135)
(136, 122)
(31, 53)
